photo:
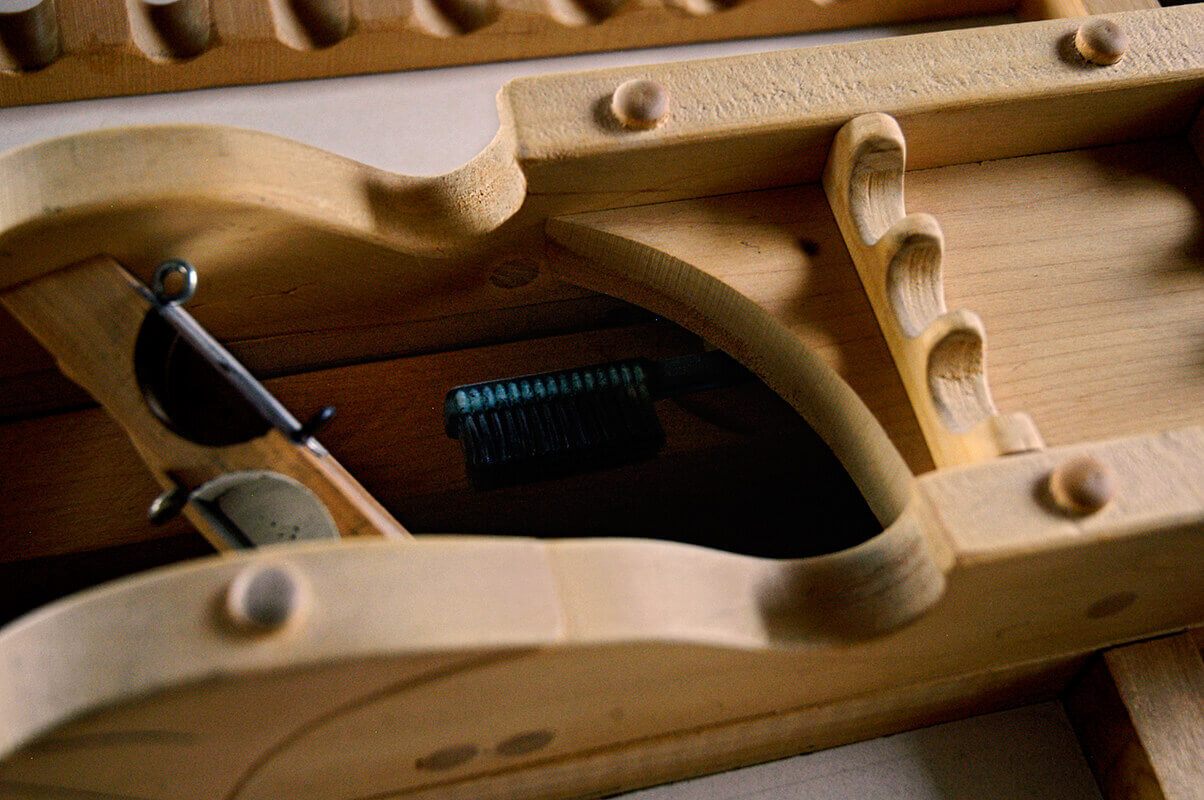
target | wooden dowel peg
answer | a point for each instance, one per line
(1101, 41)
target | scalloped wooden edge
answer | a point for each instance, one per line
(941, 355)
(146, 46)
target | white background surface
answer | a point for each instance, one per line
(430, 122)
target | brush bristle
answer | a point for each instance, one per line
(558, 423)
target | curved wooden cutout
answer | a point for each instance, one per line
(578, 13)
(226, 199)
(455, 17)
(29, 34)
(667, 284)
(940, 354)
(311, 24)
(170, 30)
(913, 275)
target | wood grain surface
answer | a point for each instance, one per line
(1140, 715)
(1086, 268)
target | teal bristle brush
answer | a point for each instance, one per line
(554, 424)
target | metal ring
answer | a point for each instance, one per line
(159, 286)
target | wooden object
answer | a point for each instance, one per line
(89, 316)
(981, 587)
(29, 34)
(416, 691)
(50, 49)
(940, 354)
(1101, 42)
(1139, 712)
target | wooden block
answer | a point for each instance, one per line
(143, 46)
(1139, 713)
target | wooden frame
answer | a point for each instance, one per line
(50, 49)
(992, 581)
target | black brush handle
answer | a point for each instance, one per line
(694, 373)
(554, 424)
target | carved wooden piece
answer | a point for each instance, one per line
(980, 579)
(476, 658)
(164, 45)
(89, 316)
(940, 354)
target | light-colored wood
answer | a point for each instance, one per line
(279, 214)
(142, 46)
(940, 354)
(479, 658)
(88, 316)
(1140, 716)
(1085, 271)
(489, 756)
(559, 653)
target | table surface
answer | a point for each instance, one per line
(430, 122)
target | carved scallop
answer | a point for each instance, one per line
(29, 34)
(311, 24)
(913, 274)
(955, 343)
(170, 30)
(940, 354)
(576, 13)
(449, 18)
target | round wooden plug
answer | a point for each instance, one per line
(265, 597)
(1082, 485)
(1101, 41)
(640, 104)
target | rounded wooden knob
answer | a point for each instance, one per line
(1082, 485)
(265, 597)
(640, 104)
(1101, 41)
